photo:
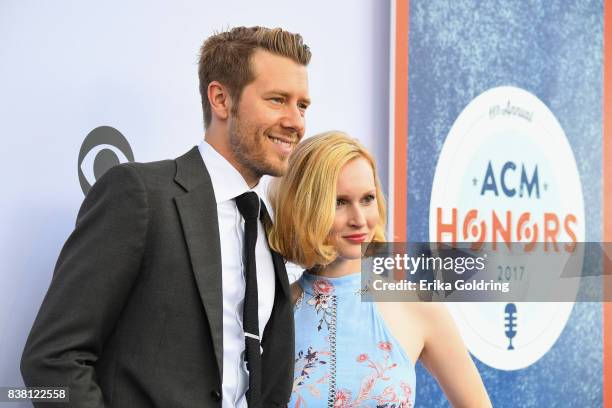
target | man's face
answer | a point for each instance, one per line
(269, 119)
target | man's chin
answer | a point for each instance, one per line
(272, 169)
(278, 171)
(278, 168)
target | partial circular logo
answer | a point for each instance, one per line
(103, 148)
(507, 177)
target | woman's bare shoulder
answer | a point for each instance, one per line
(426, 318)
(425, 311)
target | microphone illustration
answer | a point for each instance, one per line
(510, 323)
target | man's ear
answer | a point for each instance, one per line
(219, 99)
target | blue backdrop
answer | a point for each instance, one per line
(552, 49)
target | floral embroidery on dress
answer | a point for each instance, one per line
(379, 372)
(375, 375)
(306, 365)
(323, 292)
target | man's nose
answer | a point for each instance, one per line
(294, 120)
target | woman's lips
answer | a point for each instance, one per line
(356, 238)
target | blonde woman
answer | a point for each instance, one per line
(351, 353)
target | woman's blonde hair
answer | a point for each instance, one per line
(304, 199)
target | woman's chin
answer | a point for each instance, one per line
(353, 255)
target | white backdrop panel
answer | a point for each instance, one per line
(67, 67)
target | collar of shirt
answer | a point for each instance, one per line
(227, 182)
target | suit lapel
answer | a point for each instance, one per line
(281, 272)
(198, 213)
(197, 210)
(277, 259)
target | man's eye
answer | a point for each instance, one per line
(303, 106)
(278, 101)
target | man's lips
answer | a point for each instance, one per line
(284, 145)
(284, 139)
(357, 238)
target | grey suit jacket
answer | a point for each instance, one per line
(133, 315)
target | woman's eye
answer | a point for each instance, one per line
(369, 198)
(340, 202)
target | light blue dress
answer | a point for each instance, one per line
(345, 355)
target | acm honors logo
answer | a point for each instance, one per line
(507, 175)
(103, 148)
(505, 225)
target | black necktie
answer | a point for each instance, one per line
(248, 205)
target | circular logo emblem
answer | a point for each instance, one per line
(103, 148)
(506, 174)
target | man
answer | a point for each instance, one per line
(145, 305)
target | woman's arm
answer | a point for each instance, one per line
(445, 356)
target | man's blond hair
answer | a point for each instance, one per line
(225, 57)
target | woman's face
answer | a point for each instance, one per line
(356, 209)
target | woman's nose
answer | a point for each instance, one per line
(357, 218)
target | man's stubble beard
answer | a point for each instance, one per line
(247, 146)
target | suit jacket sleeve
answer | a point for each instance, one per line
(92, 280)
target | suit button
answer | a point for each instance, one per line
(215, 395)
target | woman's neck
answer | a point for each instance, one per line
(340, 268)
